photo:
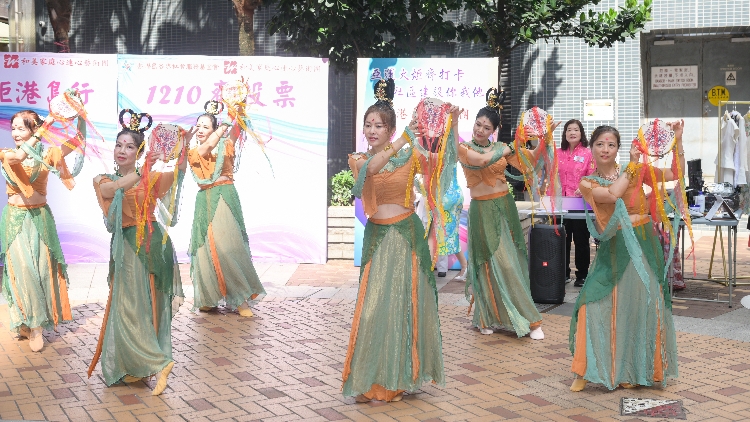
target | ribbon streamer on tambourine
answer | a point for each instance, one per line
(168, 141)
(434, 126)
(656, 140)
(536, 124)
(64, 108)
(234, 95)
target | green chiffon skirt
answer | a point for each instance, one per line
(395, 341)
(622, 329)
(221, 265)
(35, 279)
(498, 267)
(133, 344)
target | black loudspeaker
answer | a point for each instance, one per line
(547, 263)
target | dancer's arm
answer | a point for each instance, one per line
(213, 139)
(126, 182)
(679, 157)
(17, 156)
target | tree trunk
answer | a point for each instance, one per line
(245, 10)
(413, 25)
(59, 14)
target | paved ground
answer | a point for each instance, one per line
(285, 363)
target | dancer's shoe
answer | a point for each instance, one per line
(161, 383)
(578, 384)
(24, 332)
(362, 399)
(537, 334)
(36, 339)
(244, 310)
(461, 276)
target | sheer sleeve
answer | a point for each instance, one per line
(54, 159)
(361, 189)
(168, 197)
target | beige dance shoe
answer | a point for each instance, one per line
(578, 384)
(244, 310)
(161, 383)
(207, 308)
(486, 331)
(362, 399)
(36, 339)
(129, 379)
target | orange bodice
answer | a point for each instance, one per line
(384, 187)
(204, 167)
(134, 197)
(21, 174)
(487, 175)
(634, 197)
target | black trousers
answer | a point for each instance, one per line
(578, 232)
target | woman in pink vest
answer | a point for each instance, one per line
(575, 162)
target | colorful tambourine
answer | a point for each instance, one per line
(536, 123)
(656, 138)
(166, 139)
(235, 92)
(66, 106)
(431, 114)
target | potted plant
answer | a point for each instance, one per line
(341, 217)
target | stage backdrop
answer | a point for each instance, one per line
(462, 82)
(28, 81)
(284, 202)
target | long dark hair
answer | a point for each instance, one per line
(564, 145)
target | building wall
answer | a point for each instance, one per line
(558, 77)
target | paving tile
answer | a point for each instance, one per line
(465, 379)
(129, 399)
(271, 393)
(200, 404)
(505, 413)
(330, 414)
(62, 393)
(70, 378)
(730, 391)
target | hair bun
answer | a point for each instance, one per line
(135, 121)
(384, 91)
(494, 100)
(213, 107)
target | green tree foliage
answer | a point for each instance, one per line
(342, 31)
(506, 24)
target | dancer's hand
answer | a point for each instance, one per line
(678, 127)
(189, 135)
(455, 112)
(554, 125)
(151, 159)
(635, 153)
(414, 127)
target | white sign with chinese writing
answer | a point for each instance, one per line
(288, 104)
(463, 82)
(674, 77)
(599, 109)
